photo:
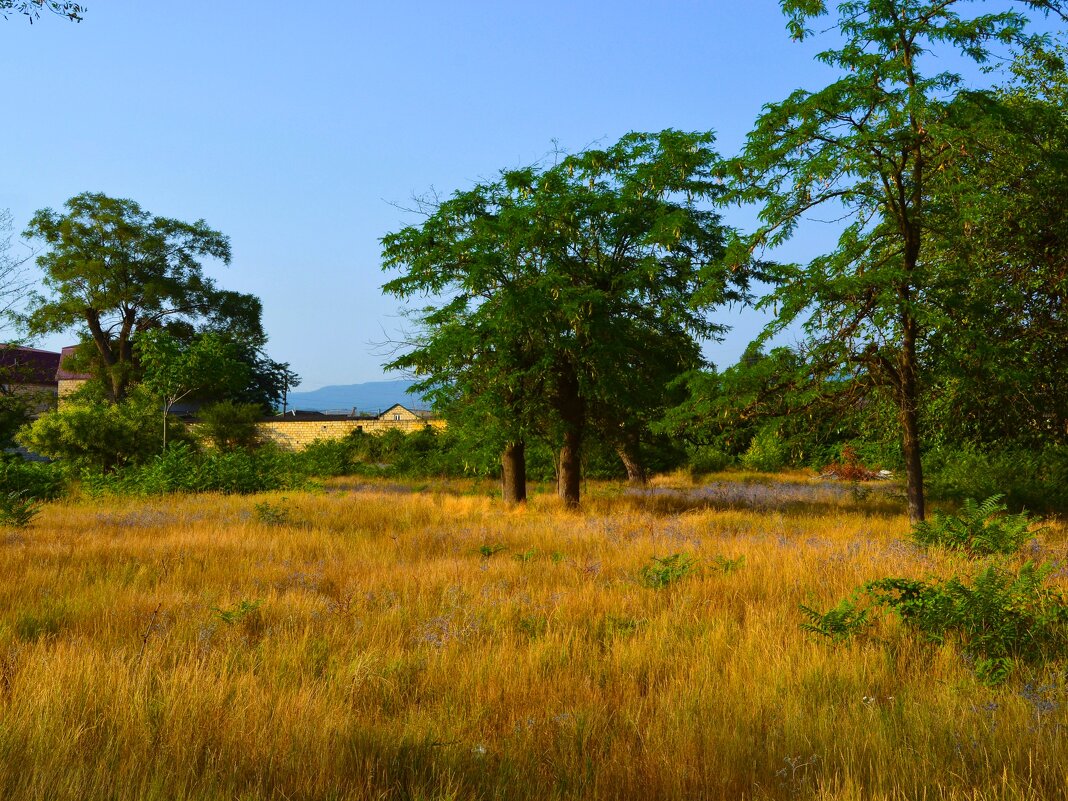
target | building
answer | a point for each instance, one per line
(29, 372)
(66, 380)
(402, 414)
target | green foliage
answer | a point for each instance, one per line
(98, 435)
(238, 612)
(708, 460)
(182, 469)
(16, 408)
(230, 426)
(725, 564)
(870, 304)
(172, 370)
(547, 280)
(999, 619)
(273, 514)
(838, 624)
(664, 571)
(978, 529)
(39, 480)
(766, 453)
(116, 271)
(17, 509)
(1032, 478)
(488, 550)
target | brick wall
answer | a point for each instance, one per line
(298, 434)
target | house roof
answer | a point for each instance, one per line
(62, 374)
(29, 365)
(422, 414)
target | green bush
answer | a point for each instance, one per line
(708, 460)
(330, 457)
(230, 426)
(999, 619)
(1035, 479)
(40, 480)
(663, 571)
(979, 529)
(766, 453)
(104, 436)
(17, 509)
(182, 469)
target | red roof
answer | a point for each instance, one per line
(67, 375)
(23, 365)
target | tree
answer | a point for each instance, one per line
(1000, 354)
(867, 146)
(117, 271)
(568, 291)
(209, 366)
(32, 9)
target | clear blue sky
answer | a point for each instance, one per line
(294, 131)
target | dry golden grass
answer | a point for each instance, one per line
(388, 657)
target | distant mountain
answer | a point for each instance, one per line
(371, 396)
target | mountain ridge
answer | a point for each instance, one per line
(369, 396)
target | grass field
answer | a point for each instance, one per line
(371, 641)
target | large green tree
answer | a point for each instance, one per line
(865, 148)
(999, 356)
(113, 270)
(564, 296)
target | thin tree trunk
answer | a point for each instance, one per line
(514, 473)
(908, 415)
(630, 454)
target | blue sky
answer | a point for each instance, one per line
(297, 133)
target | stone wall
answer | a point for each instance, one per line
(298, 434)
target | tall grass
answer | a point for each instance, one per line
(365, 646)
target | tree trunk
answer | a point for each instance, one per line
(514, 473)
(630, 454)
(908, 416)
(570, 480)
(572, 411)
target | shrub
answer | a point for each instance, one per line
(230, 426)
(666, 570)
(979, 529)
(271, 514)
(837, 624)
(17, 509)
(766, 453)
(182, 469)
(103, 436)
(330, 457)
(40, 480)
(1035, 479)
(1000, 618)
(708, 460)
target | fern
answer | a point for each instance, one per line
(841, 623)
(978, 529)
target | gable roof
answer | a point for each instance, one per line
(23, 365)
(422, 414)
